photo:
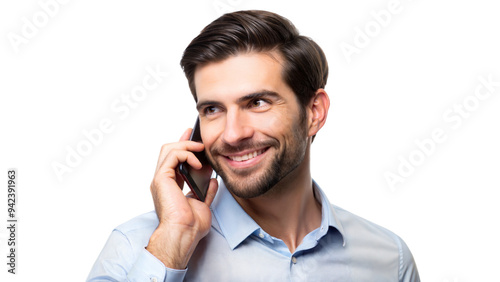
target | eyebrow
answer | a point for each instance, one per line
(260, 94)
(251, 96)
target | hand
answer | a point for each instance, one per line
(184, 220)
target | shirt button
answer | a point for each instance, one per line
(154, 279)
(261, 235)
(294, 259)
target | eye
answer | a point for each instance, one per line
(259, 103)
(210, 110)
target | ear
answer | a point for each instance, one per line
(318, 111)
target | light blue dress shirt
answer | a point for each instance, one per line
(344, 248)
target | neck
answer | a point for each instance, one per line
(289, 211)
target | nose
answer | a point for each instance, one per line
(237, 128)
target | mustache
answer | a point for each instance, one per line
(226, 149)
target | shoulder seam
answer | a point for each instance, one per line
(401, 258)
(124, 235)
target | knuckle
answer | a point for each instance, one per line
(173, 153)
(165, 147)
(154, 184)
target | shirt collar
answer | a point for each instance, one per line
(328, 216)
(236, 225)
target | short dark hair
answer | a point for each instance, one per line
(305, 68)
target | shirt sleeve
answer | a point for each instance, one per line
(408, 271)
(119, 260)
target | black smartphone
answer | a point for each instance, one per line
(197, 179)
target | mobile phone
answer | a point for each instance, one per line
(197, 179)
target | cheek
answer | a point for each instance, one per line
(274, 124)
(209, 134)
(267, 122)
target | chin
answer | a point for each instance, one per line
(252, 185)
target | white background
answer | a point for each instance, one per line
(394, 91)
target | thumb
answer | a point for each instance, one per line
(212, 191)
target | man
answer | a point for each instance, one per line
(259, 91)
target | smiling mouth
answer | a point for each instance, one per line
(247, 157)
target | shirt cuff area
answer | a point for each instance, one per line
(149, 268)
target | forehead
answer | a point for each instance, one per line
(240, 75)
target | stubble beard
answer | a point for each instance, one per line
(283, 163)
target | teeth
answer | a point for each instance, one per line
(246, 157)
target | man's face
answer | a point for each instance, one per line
(252, 125)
